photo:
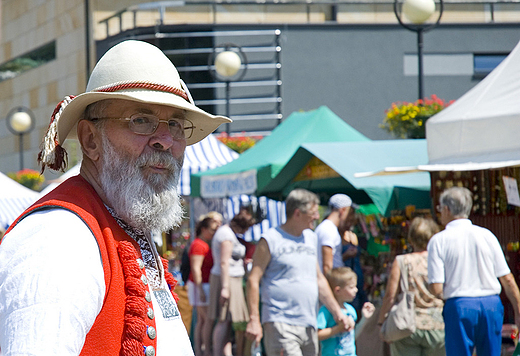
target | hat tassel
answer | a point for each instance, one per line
(52, 154)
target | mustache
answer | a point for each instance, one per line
(157, 158)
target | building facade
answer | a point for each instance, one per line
(352, 56)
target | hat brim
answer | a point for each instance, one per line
(204, 122)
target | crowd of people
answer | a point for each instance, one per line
(456, 311)
(80, 274)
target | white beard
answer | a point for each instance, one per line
(150, 204)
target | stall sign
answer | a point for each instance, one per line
(511, 187)
(228, 185)
(315, 169)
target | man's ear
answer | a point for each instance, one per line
(90, 139)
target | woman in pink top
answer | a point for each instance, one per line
(201, 261)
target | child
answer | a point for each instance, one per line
(333, 338)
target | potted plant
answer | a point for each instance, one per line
(408, 120)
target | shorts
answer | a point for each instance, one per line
(235, 309)
(194, 297)
(290, 340)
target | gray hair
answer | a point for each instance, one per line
(300, 199)
(459, 200)
(95, 111)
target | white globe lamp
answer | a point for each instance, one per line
(227, 63)
(21, 122)
(418, 11)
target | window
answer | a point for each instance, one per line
(483, 64)
(33, 59)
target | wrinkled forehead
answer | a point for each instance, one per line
(162, 111)
(127, 108)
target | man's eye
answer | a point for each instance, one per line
(174, 123)
(141, 120)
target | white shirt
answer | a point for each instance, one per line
(328, 235)
(52, 288)
(467, 259)
(236, 262)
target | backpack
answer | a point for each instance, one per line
(185, 264)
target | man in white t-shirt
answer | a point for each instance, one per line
(79, 272)
(466, 267)
(329, 239)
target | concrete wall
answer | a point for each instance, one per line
(358, 71)
(26, 25)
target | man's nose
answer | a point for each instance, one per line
(163, 140)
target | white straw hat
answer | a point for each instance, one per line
(131, 70)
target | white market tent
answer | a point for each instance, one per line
(14, 199)
(480, 130)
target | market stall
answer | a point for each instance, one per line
(259, 165)
(474, 144)
(329, 167)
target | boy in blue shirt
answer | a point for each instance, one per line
(333, 337)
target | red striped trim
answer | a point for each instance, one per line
(144, 85)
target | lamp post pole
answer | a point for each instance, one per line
(228, 107)
(418, 12)
(420, 61)
(20, 121)
(20, 136)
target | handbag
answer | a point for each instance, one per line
(400, 322)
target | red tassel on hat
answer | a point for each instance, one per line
(51, 153)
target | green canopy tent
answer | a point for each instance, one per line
(256, 167)
(328, 168)
(317, 150)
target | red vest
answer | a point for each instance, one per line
(121, 328)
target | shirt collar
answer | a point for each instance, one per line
(459, 222)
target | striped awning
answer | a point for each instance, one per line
(206, 154)
(274, 213)
(211, 153)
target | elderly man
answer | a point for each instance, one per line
(79, 272)
(465, 265)
(286, 267)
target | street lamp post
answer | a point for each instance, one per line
(20, 121)
(227, 64)
(418, 12)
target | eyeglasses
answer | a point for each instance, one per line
(146, 124)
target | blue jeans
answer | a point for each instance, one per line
(473, 322)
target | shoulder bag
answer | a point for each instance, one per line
(400, 322)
